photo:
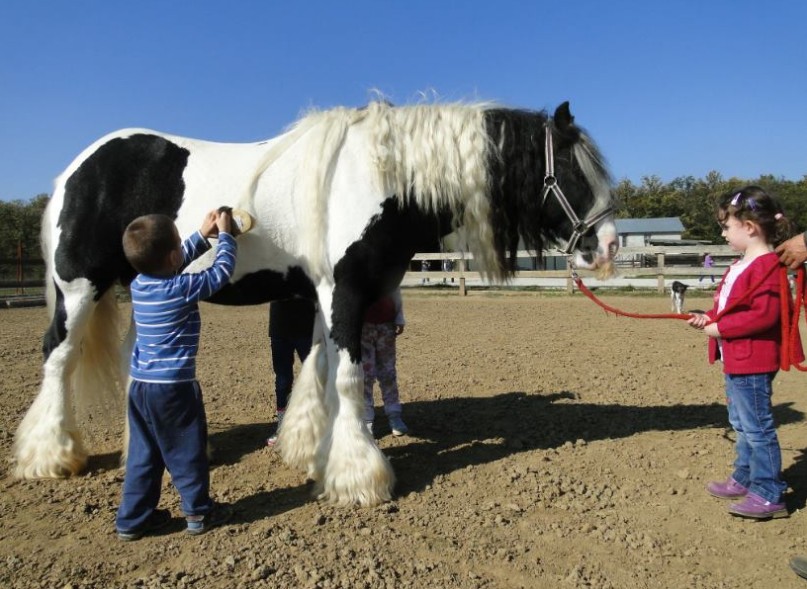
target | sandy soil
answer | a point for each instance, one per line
(551, 446)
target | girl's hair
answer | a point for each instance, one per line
(752, 203)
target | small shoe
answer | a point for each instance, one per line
(159, 518)
(218, 515)
(799, 566)
(728, 489)
(272, 440)
(397, 425)
(756, 507)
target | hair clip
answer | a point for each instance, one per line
(736, 200)
(778, 216)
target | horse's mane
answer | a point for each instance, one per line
(437, 155)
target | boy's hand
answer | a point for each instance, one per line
(224, 222)
(209, 228)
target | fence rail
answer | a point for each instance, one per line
(632, 262)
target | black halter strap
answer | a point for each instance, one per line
(579, 228)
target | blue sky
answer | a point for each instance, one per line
(670, 88)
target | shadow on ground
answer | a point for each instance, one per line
(451, 434)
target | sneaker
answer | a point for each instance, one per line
(756, 507)
(799, 566)
(272, 440)
(397, 425)
(729, 489)
(218, 515)
(159, 518)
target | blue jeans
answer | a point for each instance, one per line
(283, 349)
(167, 429)
(758, 464)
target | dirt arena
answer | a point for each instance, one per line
(551, 446)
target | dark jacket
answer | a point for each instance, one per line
(291, 318)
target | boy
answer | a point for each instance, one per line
(167, 423)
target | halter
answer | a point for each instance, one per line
(579, 228)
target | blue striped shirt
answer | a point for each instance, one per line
(166, 313)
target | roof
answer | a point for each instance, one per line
(655, 225)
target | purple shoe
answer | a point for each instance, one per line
(730, 489)
(756, 507)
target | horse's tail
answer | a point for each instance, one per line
(97, 378)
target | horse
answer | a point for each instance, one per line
(342, 200)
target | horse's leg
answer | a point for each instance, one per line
(351, 468)
(305, 420)
(354, 470)
(47, 442)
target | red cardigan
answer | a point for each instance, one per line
(751, 333)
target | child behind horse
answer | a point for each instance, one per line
(383, 322)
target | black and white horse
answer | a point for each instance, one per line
(342, 202)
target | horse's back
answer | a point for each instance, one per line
(134, 172)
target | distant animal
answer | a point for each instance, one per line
(341, 202)
(677, 292)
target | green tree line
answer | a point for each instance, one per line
(19, 226)
(689, 198)
(19, 234)
(694, 200)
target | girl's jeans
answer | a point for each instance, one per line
(759, 459)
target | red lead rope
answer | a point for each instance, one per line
(789, 320)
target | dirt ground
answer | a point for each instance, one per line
(551, 446)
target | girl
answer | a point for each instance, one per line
(383, 322)
(748, 341)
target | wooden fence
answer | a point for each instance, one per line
(20, 273)
(661, 262)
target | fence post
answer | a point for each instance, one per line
(20, 271)
(661, 273)
(463, 292)
(569, 281)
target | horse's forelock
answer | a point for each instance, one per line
(595, 170)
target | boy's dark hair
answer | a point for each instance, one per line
(147, 242)
(752, 203)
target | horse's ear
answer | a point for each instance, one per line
(563, 116)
